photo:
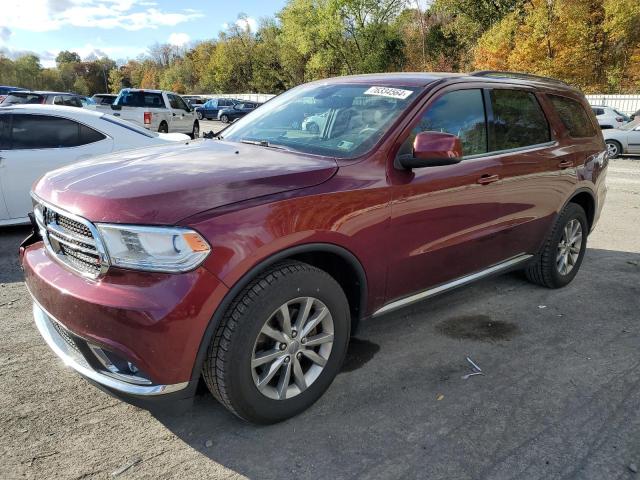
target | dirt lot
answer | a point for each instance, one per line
(560, 398)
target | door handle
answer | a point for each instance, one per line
(565, 164)
(487, 179)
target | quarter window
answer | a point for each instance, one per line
(518, 120)
(573, 116)
(42, 131)
(460, 113)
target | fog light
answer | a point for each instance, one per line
(132, 367)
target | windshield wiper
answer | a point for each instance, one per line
(265, 143)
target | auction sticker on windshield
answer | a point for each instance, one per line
(389, 92)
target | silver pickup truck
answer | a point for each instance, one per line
(156, 110)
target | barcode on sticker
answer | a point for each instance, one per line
(389, 92)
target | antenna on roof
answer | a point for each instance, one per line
(517, 75)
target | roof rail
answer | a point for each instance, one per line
(517, 75)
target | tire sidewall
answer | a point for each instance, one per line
(618, 148)
(248, 401)
(571, 212)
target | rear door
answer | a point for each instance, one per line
(37, 144)
(633, 139)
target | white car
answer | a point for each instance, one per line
(623, 140)
(609, 117)
(37, 138)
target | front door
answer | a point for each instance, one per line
(633, 140)
(446, 221)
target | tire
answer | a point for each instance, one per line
(546, 270)
(199, 115)
(229, 370)
(195, 132)
(224, 119)
(614, 148)
(163, 127)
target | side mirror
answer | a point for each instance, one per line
(432, 149)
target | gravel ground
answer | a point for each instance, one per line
(560, 398)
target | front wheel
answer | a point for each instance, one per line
(562, 254)
(195, 132)
(614, 148)
(280, 344)
(224, 119)
(199, 115)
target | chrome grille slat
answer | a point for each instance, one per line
(72, 240)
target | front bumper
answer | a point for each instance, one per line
(154, 321)
(61, 344)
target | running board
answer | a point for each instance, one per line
(453, 284)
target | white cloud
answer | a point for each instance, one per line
(5, 33)
(46, 15)
(248, 23)
(179, 39)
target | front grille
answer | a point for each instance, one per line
(66, 336)
(71, 240)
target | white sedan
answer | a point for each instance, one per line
(37, 138)
(623, 140)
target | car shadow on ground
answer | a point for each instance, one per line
(558, 396)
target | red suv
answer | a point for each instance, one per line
(248, 260)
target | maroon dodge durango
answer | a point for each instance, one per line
(248, 259)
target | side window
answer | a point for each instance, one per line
(173, 102)
(460, 113)
(518, 119)
(573, 116)
(4, 132)
(598, 111)
(182, 104)
(89, 135)
(42, 131)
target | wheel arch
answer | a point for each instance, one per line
(586, 199)
(326, 256)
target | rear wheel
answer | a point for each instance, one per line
(614, 148)
(163, 128)
(560, 259)
(224, 119)
(199, 115)
(280, 344)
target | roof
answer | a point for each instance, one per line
(422, 79)
(52, 109)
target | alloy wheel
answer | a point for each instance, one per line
(292, 348)
(569, 247)
(612, 149)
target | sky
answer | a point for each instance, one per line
(119, 29)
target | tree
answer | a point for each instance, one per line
(66, 56)
(116, 80)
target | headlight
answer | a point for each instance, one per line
(157, 249)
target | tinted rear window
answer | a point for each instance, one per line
(140, 99)
(518, 120)
(573, 116)
(43, 131)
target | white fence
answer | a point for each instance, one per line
(623, 103)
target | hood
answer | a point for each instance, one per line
(167, 183)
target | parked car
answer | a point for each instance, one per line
(5, 89)
(250, 259)
(315, 123)
(623, 140)
(104, 98)
(156, 110)
(194, 100)
(88, 102)
(237, 111)
(210, 108)
(609, 117)
(635, 115)
(38, 97)
(37, 138)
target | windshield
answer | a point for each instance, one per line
(340, 120)
(631, 125)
